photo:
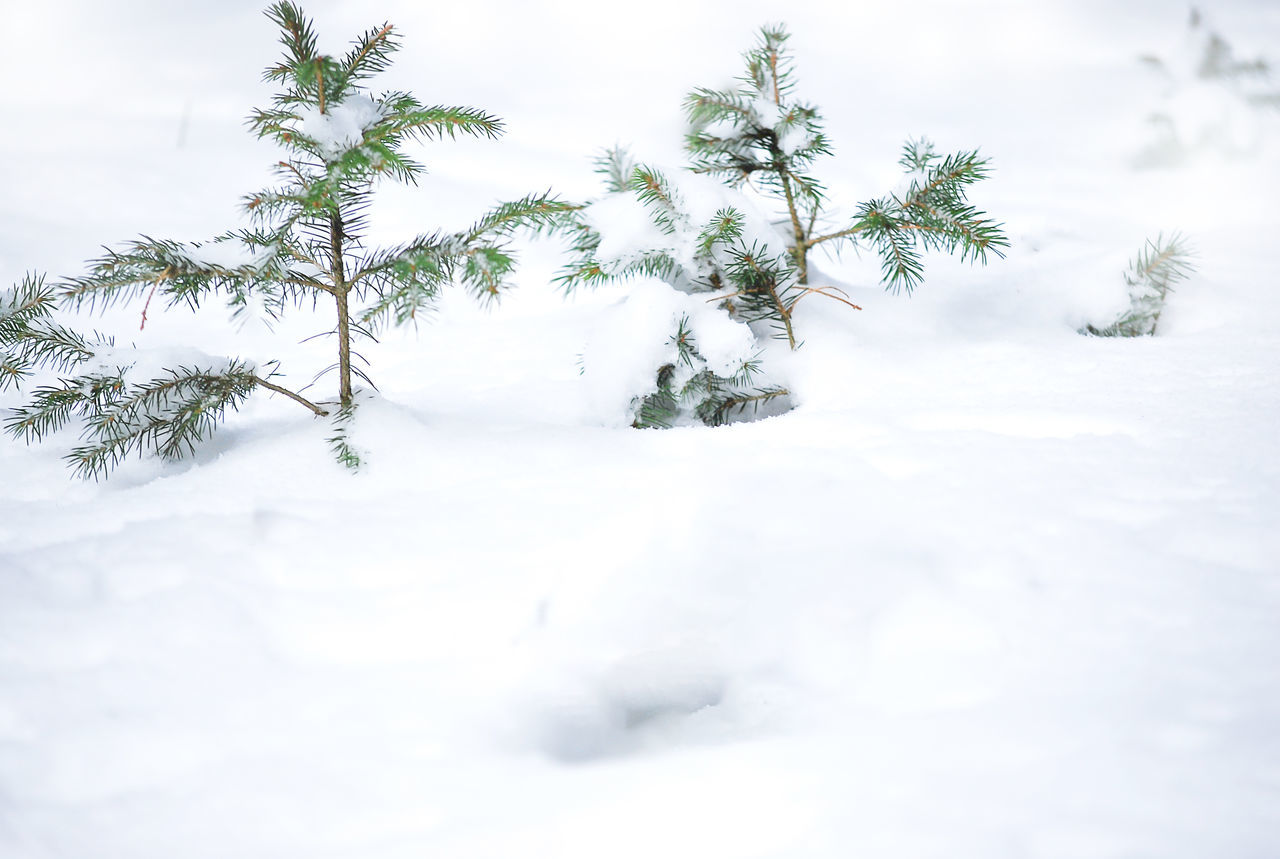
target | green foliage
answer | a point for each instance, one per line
(307, 241)
(340, 444)
(1152, 273)
(932, 214)
(167, 415)
(28, 336)
(760, 135)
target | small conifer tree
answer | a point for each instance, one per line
(1214, 99)
(1150, 278)
(760, 135)
(305, 245)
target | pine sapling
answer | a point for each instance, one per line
(695, 255)
(760, 136)
(305, 245)
(1152, 273)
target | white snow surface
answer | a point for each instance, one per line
(993, 590)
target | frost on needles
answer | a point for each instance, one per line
(304, 245)
(760, 136)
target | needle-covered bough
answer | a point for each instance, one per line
(304, 244)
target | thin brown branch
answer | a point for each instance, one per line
(773, 70)
(827, 292)
(364, 52)
(297, 398)
(777, 302)
(741, 402)
(310, 284)
(293, 168)
(852, 231)
(801, 245)
(1160, 259)
(164, 274)
(340, 289)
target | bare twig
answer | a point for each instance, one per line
(297, 398)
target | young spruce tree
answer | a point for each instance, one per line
(305, 245)
(760, 135)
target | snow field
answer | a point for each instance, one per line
(992, 590)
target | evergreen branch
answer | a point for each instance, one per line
(340, 442)
(768, 66)
(901, 264)
(717, 412)
(1163, 261)
(618, 168)
(705, 106)
(849, 232)
(429, 256)
(659, 196)
(762, 286)
(13, 370)
(485, 269)
(298, 37)
(724, 229)
(947, 179)
(406, 118)
(407, 278)
(536, 212)
(29, 301)
(1150, 278)
(370, 54)
(589, 272)
(52, 407)
(185, 272)
(167, 416)
(49, 345)
(30, 338)
(658, 410)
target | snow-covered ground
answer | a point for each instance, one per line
(994, 590)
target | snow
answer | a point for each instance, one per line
(341, 126)
(992, 590)
(630, 341)
(794, 137)
(143, 365)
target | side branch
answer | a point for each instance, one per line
(783, 311)
(297, 398)
(852, 231)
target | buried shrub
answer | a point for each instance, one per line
(708, 239)
(304, 245)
